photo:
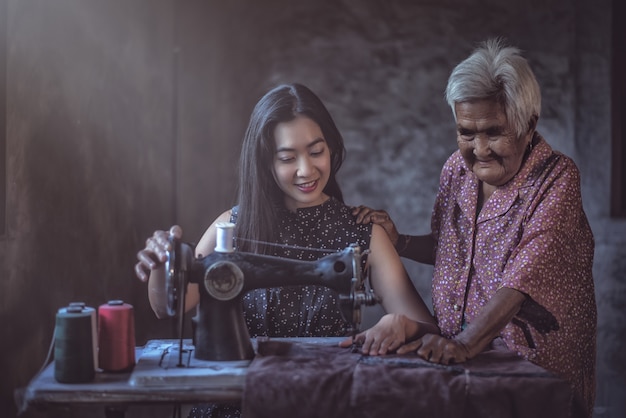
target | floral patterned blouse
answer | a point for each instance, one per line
(532, 235)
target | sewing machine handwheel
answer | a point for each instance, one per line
(174, 285)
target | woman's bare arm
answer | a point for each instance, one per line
(407, 315)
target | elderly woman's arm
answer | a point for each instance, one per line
(420, 248)
(498, 312)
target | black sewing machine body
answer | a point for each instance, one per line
(223, 278)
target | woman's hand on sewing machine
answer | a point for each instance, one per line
(386, 336)
(155, 253)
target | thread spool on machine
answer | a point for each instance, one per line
(225, 275)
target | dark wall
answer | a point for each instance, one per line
(89, 164)
(126, 116)
(3, 87)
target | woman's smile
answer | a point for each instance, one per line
(302, 162)
(307, 187)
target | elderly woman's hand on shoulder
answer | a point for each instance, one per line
(365, 215)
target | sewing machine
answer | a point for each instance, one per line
(224, 276)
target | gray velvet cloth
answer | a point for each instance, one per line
(293, 379)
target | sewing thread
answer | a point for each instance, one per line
(289, 246)
(73, 346)
(94, 329)
(224, 239)
(116, 336)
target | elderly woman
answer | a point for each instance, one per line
(510, 243)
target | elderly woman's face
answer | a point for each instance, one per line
(487, 142)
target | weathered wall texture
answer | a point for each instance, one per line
(127, 116)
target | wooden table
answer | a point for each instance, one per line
(297, 366)
(154, 379)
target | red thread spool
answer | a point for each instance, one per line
(116, 336)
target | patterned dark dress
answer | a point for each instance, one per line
(300, 311)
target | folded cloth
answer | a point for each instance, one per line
(299, 380)
(306, 380)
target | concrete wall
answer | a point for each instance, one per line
(127, 115)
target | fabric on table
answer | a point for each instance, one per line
(303, 380)
(298, 380)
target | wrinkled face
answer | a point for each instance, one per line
(487, 142)
(301, 162)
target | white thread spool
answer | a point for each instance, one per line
(225, 233)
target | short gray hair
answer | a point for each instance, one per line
(500, 72)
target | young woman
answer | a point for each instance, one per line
(290, 205)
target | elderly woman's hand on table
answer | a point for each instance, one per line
(437, 349)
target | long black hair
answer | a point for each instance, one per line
(259, 197)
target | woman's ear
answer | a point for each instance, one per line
(532, 124)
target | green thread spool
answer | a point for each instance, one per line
(94, 329)
(73, 346)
